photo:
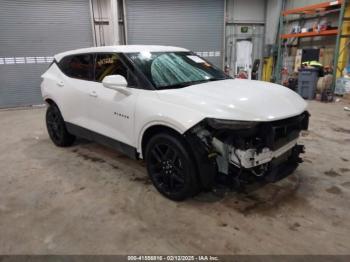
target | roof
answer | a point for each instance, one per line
(121, 49)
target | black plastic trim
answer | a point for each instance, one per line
(281, 167)
(103, 140)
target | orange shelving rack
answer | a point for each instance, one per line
(310, 12)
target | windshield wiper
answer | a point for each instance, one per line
(205, 81)
(175, 86)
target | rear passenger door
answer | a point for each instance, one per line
(112, 112)
(74, 85)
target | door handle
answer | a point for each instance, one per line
(60, 83)
(93, 94)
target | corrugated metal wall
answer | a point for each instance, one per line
(194, 24)
(31, 32)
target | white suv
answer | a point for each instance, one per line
(190, 121)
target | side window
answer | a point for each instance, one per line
(78, 66)
(110, 64)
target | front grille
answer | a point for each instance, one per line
(279, 133)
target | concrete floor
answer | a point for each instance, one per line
(90, 200)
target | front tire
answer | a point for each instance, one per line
(171, 167)
(56, 127)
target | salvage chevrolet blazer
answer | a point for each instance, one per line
(186, 118)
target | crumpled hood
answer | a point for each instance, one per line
(237, 99)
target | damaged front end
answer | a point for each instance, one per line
(247, 151)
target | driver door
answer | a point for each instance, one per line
(112, 112)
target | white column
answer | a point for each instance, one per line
(115, 22)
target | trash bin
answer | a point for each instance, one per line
(307, 82)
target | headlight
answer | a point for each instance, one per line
(230, 124)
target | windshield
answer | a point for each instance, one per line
(167, 70)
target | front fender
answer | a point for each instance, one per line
(178, 127)
(151, 111)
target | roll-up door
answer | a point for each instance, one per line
(31, 32)
(197, 25)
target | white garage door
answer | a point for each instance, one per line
(31, 32)
(194, 24)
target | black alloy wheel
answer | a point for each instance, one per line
(56, 127)
(170, 167)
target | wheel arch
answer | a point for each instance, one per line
(50, 101)
(150, 130)
(205, 167)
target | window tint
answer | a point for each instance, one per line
(78, 66)
(111, 64)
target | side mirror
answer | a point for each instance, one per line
(116, 82)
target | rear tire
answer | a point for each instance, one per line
(56, 127)
(171, 167)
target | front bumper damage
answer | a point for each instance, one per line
(263, 150)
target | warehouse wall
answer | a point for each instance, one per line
(237, 11)
(273, 10)
(108, 22)
(245, 11)
(102, 20)
(261, 15)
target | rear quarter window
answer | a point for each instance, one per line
(78, 66)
